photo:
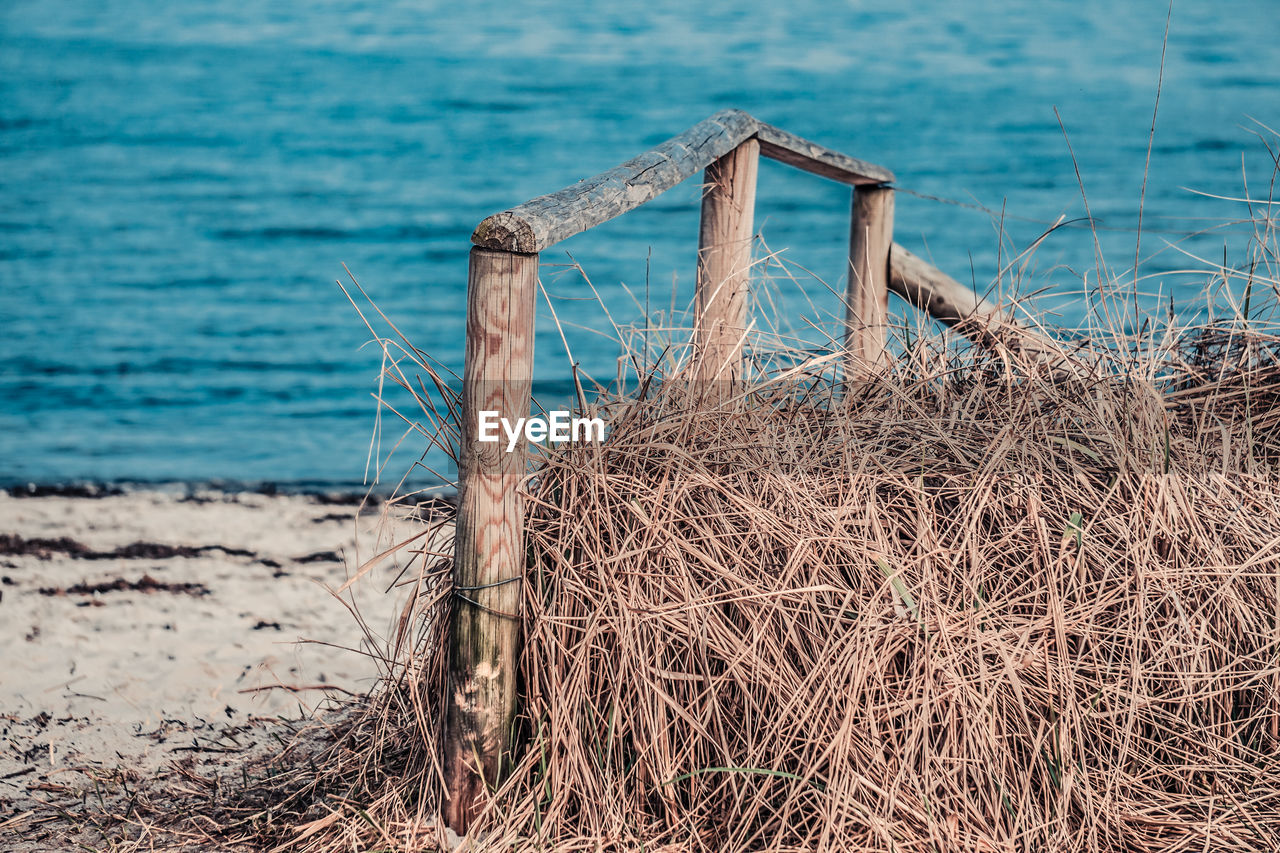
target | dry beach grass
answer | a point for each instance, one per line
(958, 612)
(973, 602)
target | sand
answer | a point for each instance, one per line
(126, 655)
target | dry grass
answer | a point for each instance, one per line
(962, 606)
(969, 603)
(955, 610)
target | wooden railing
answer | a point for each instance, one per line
(501, 287)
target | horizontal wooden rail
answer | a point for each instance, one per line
(924, 286)
(546, 220)
(809, 157)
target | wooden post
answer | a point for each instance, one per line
(867, 296)
(724, 262)
(489, 554)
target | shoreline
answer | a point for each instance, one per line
(335, 494)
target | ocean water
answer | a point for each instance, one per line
(181, 183)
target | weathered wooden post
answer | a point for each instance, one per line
(489, 550)
(724, 263)
(867, 296)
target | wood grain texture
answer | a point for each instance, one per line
(489, 549)
(544, 221)
(867, 294)
(724, 263)
(788, 148)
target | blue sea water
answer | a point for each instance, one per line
(180, 183)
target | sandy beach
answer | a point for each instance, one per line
(147, 627)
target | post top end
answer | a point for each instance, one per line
(506, 231)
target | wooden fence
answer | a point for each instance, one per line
(497, 376)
